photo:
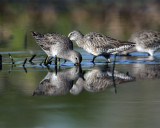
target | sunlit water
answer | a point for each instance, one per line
(126, 103)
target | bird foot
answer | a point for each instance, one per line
(92, 62)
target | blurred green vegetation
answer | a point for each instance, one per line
(118, 19)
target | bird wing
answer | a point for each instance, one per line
(106, 43)
(146, 38)
(150, 38)
(58, 39)
(42, 40)
(46, 40)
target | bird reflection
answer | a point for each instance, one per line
(146, 71)
(95, 80)
(58, 83)
(99, 79)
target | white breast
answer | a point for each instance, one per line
(54, 51)
(140, 49)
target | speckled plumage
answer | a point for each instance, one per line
(99, 79)
(146, 41)
(99, 44)
(58, 83)
(57, 45)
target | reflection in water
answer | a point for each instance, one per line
(146, 71)
(58, 83)
(99, 79)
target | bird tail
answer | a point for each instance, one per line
(122, 46)
(36, 34)
(41, 41)
(128, 43)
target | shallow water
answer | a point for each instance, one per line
(90, 96)
(129, 99)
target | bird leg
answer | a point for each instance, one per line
(55, 64)
(107, 56)
(46, 61)
(32, 59)
(114, 83)
(94, 57)
(50, 60)
(56, 69)
(59, 63)
(114, 59)
(56, 60)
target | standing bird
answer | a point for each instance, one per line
(99, 44)
(57, 45)
(146, 41)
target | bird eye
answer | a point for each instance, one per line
(71, 34)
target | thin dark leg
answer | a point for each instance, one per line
(94, 57)
(46, 61)
(25, 69)
(24, 62)
(56, 69)
(114, 59)
(107, 56)
(114, 83)
(50, 60)
(32, 59)
(56, 60)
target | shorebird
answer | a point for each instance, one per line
(57, 45)
(99, 44)
(146, 41)
(99, 79)
(58, 83)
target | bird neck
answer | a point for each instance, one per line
(80, 41)
(68, 55)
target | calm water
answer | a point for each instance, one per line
(87, 96)
(90, 96)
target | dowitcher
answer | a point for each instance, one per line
(146, 41)
(58, 83)
(57, 45)
(99, 44)
(98, 79)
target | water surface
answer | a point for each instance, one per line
(133, 102)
